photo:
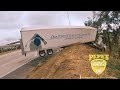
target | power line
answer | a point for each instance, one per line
(68, 18)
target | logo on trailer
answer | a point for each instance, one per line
(37, 40)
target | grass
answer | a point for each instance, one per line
(113, 67)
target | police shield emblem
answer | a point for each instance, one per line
(98, 66)
(98, 63)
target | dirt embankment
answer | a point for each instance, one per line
(71, 63)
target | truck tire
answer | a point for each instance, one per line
(49, 51)
(42, 53)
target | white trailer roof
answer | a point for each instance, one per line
(55, 27)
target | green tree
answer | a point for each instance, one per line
(103, 20)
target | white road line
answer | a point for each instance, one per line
(17, 67)
(8, 58)
(8, 54)
(16, 62)
(12, 61)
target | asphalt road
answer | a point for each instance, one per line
(14, 65)
(11, 61)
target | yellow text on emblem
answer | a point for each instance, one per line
(98, 63)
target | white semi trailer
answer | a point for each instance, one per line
(44, 39)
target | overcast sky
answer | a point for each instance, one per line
(11, 22)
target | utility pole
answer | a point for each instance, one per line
(68, 18)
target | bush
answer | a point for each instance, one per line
(119, 52)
